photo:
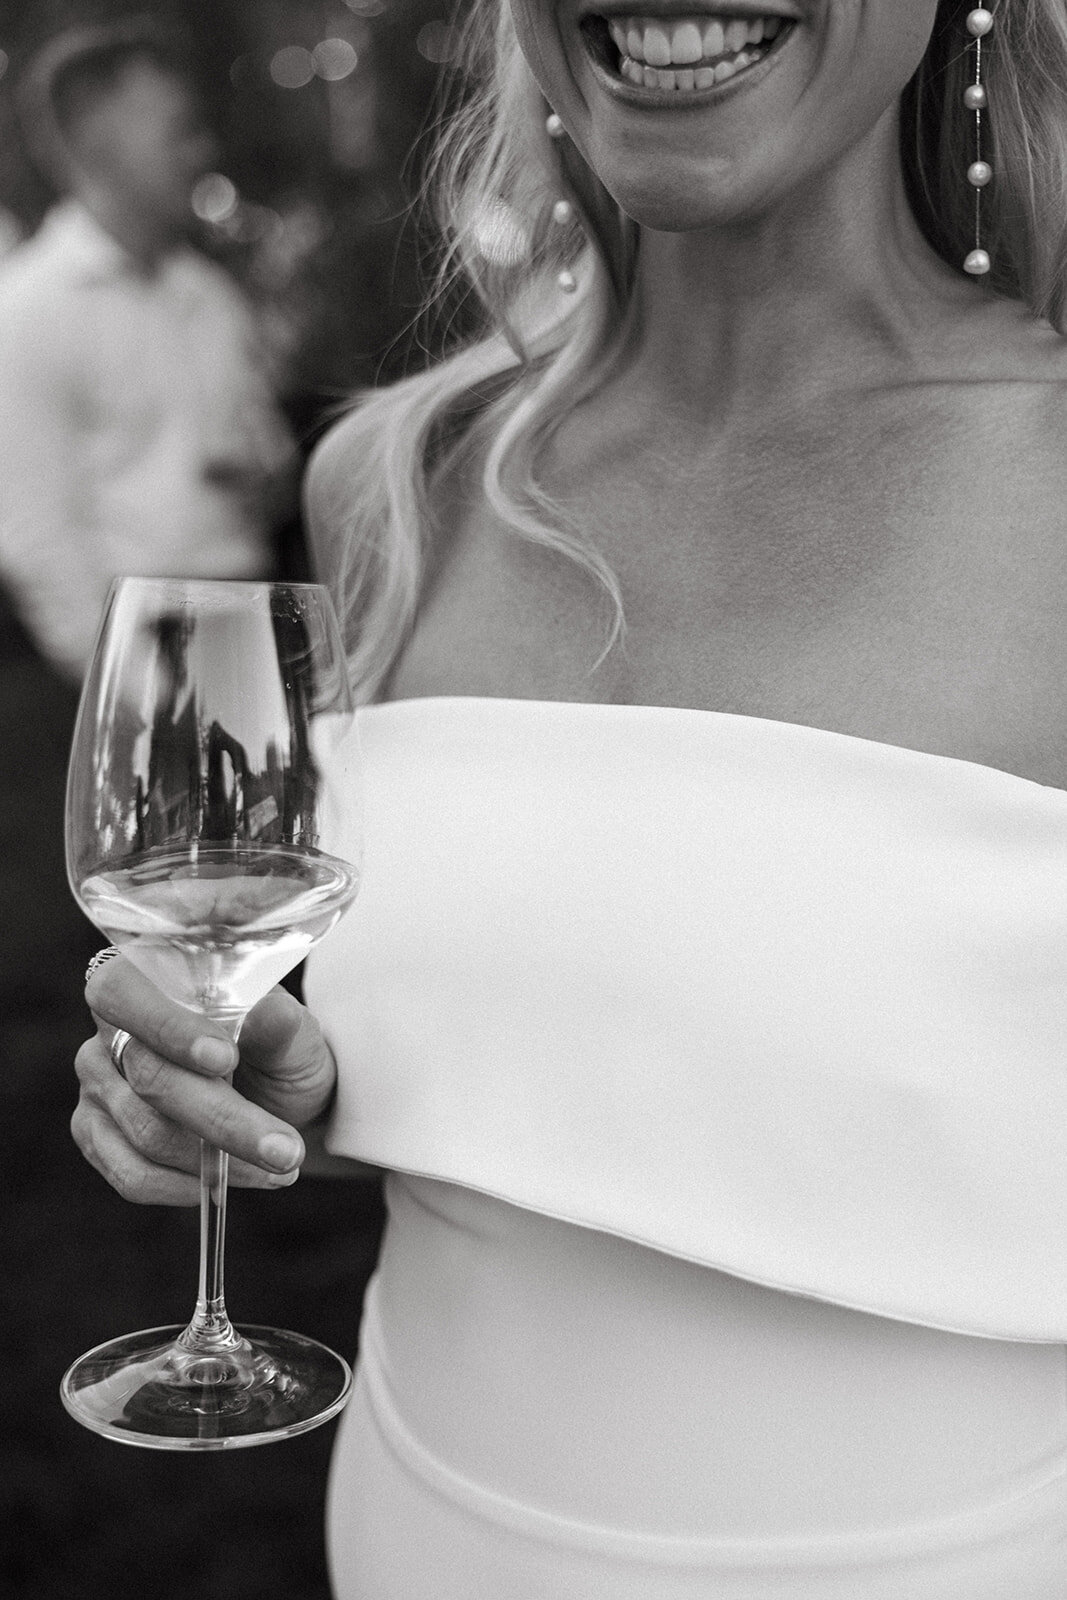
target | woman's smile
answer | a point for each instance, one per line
(671, 57)
(776, 94)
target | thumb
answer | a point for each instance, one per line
(286, 1065)
(270, 1030)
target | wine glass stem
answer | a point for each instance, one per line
(210, 1328)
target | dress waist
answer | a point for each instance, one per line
(605, 1386)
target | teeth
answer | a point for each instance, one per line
(696, 41)
(686, 44)
(685, 77)
(714, 40)
(657, 46)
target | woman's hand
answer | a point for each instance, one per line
(142, 1132)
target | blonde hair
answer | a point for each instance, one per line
(535, 353)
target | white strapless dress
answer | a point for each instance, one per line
(719, 1066)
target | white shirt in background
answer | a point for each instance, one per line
(138, 428)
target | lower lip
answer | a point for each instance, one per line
(634, 94)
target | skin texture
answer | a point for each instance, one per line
(142, 1132)
(828, 471)
(832, 92)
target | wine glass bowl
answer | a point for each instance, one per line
(204, 840)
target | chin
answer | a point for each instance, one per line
(713, 195)
(678, 213)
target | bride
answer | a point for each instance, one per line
(705, 1001)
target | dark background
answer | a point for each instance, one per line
(324, 173)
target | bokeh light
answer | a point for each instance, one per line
(500, 235)
(251, 223)
(335, 59)
(292, 67)
(215, 198)
(437, 42)
(366, 8)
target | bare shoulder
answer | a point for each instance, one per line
(331, 486)
(352, 477)
(332, 465)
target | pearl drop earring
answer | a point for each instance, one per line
(562, 210)
(979, 173)
(563, 216)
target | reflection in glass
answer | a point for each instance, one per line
(204, 839)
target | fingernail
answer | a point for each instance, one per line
(278, 1150)
(214, 1055)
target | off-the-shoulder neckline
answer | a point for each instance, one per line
(737, 718)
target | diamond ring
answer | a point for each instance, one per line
(106, 954)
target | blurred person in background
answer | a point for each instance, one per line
(139, 431)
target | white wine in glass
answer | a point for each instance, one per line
(202, 840)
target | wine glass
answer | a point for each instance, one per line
(204, 841)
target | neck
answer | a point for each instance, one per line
(145, 239)
(834, 286)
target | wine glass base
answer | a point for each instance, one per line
(147, 1389)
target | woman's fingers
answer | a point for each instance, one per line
(126, 1170)
(117, 991)
(284, 1060)
(142, 1153)
(144, 1181)
(211, 1109)
(142, 1128)
(155, 1094)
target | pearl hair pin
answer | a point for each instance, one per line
(979, 173)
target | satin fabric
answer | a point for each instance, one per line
(783, 1002)
(718, 1066)
(545, 1412)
